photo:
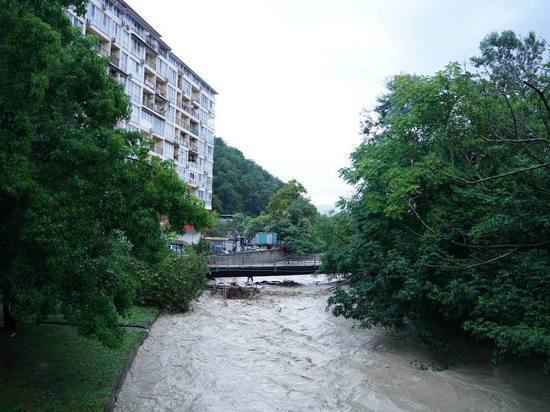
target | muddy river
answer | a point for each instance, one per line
(281, 351)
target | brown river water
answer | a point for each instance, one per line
(282, 351)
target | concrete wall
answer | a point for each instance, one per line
(248, 259)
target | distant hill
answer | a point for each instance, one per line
(240, 185)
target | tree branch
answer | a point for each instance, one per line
(540, 94)
(503, 256)
(486, 179)
(485, 247)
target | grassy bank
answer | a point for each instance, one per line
(51, 368)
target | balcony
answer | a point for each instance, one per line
(158, 150)
(181, 123)
(155, 107)
(115, 60)
(161, 93)
(151, 62)
(191, 112)
(150, 84)
(194, 130)
(152, 44)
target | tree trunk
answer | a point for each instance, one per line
(9, 320)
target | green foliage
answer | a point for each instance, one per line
(174, 283)
(234, 227)
(292, 216)
(449, 228)
(240, 185)
(80, 200)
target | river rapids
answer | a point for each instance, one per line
(282, 351)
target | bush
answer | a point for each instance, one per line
(174, 283)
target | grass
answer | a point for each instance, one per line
(140, 316)
(51, 368)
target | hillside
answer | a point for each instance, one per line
(240, 184)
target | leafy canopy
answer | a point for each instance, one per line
(292, 216)
(449, 227)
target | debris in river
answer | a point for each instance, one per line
(234, 291)
(287, 283)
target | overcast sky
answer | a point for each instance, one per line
(293, 75)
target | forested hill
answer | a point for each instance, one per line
(240, 184)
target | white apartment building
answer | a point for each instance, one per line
(170, 102)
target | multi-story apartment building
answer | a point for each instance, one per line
(170, 102)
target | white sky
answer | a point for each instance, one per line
(293, 75)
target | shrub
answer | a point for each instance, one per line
(174, 283)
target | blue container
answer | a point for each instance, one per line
(265, 239)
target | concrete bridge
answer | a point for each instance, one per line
(267, 263)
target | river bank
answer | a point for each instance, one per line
(283, 351)
(49, 367)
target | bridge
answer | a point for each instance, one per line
(267, 263)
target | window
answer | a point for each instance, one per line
(171, 115)
(186, 88)
(135, 114)
(204, 116)
(171, 95)
(205, 101)
(134, 90)
(135, 68)
(114, 30)
(147, 119)
(169, 130)
(158, 126)
(172, 76)
(138, 49)
(162, 67)
(124, 39)
(168, 150)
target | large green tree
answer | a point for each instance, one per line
(240, 185)
(449, 228)
(292, 216)
(80, 200)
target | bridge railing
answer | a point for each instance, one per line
(255, 260)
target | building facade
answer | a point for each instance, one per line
(170, 102)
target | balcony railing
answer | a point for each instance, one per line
(160, 92)
(151, 63)
(149, 83)
(159, 109)
(191, 112)
(182, 124)
(195, 130)
(152, 43)
(155, 107)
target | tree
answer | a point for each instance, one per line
(292, 216)
(234, 227)
(449, 224)
(81, 201)
(240, 185)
